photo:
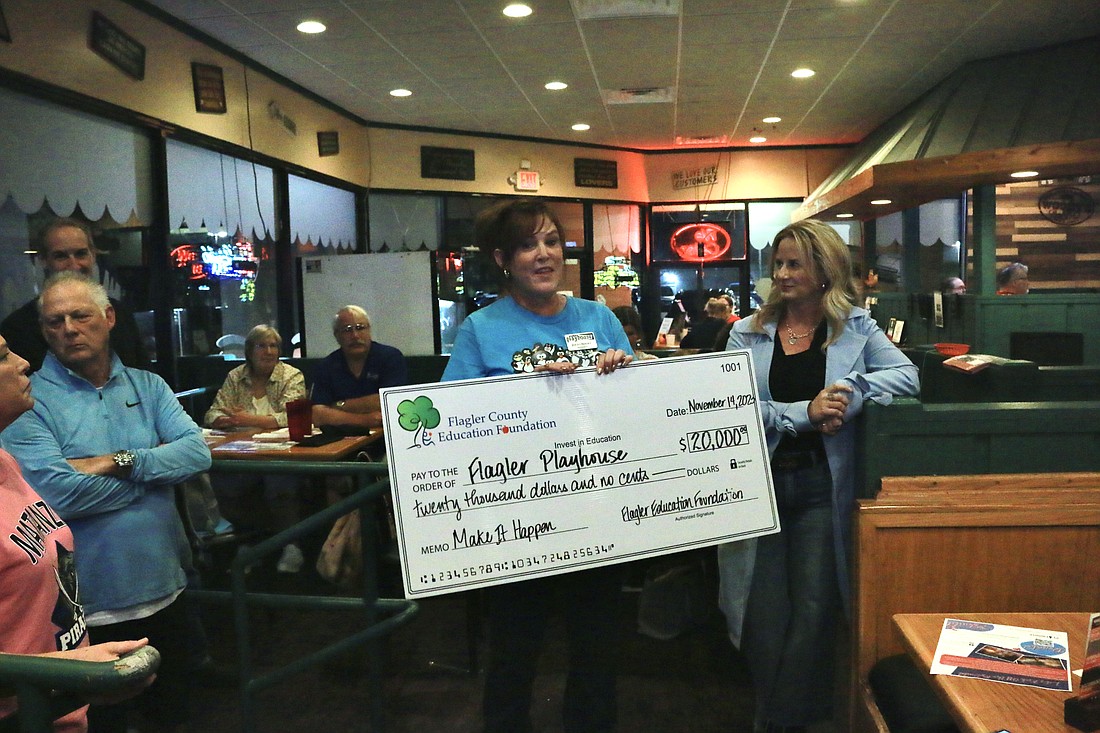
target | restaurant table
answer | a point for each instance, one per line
(237, 453)
(982, 706)
(221, 447)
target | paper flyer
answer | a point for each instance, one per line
(1011, 654)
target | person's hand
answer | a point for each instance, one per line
(239, 418)
(223, 422)
(109, 651)
(826, 410)
(611, 360)
(557, 367)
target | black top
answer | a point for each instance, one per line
(703, 334)
(23, 332)
(798, 377)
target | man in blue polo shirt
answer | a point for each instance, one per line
(346, 382)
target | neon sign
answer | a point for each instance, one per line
(700, 242)
(232, 260)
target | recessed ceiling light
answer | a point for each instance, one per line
(758, 139)
(556, 86)
(881, 202)
(311, 26)
(517, 10)
(844, 216)
(581, 127)
(802, 73)
(772, 120)
(1024, 174)
(400, 93)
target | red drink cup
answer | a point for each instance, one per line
(299, 418)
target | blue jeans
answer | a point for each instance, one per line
(794, 603)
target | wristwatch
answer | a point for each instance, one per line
(124, 459)
(340, 404)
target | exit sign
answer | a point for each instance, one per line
(527, 180)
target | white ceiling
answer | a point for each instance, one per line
(726, 62)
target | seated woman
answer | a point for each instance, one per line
(254, 395)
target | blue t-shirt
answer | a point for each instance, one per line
(333, 381)
(505, 338)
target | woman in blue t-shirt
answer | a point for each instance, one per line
(534, 328)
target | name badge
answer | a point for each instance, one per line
(580, 341)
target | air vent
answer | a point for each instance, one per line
(598, 9)
(641, 95)
(703, 140)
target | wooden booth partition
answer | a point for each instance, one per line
(968, 544)
(912, 438)
(987, 322)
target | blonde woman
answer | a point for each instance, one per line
(818, 358)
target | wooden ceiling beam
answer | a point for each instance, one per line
(911, 183)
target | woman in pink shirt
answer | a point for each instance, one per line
(39, 596)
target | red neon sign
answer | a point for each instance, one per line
(700, 242)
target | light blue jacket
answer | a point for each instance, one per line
(862, 358)
(127, 531)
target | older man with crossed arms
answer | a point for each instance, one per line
(104, 445)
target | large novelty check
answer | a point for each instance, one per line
(509, 478)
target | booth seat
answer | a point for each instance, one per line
(1051, 328)
(914, 438)
(951, 544)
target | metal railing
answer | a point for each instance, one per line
(381, 615)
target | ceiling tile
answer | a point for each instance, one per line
(729, 61)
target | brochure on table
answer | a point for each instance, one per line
(1012, 654)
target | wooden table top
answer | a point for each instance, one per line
(231, 445)
(982, 706)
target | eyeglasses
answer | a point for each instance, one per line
(353, 327)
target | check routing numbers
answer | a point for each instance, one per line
(523, 477)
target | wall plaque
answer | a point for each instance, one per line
(1066, 206)
(114, 45)
(209, 88)
(454, 164)
(692, 177)
(5, 34)
(593, 173)
(328, 143)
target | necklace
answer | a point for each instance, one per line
(793, 338)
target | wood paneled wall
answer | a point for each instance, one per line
(1056, 256)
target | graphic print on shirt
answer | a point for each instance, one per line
(34, 526)
(68, 614)
(524, 361)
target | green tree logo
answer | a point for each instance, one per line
(417, 416)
